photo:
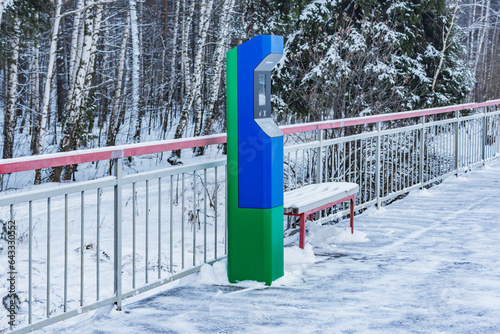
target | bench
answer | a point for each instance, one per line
(305, 201)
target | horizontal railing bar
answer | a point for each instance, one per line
(81, 156)
(114, 152)
(301, 147)
(167, 280)
(332, 124)
(347, 139)
(64, 316)
(172, 171)
(57, 190)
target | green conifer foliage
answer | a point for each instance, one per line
(362, 57)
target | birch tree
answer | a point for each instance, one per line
(217, 68)
(11, 98)
(135, 119)
(114, 123)
(446, 36)
(186, 71)
(173, 64)
(42, 125)
(204, 22)
(88, 34)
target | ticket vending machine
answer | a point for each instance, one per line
(255, 163)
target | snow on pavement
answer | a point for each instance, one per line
(426, 264)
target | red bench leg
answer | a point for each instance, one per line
(302, 230)
(352, 214)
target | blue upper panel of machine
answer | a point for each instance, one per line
(260, 156)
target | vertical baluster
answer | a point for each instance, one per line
(205, 216)
(310, 158)
(422, 147)
(356, 164)
(171, 224)
(82, 246)
(48, 257)
(377, 167)
(456, 145)
(146, 255)
(215, 213)
(98, 246)
(11, 209)
(289, 172)
(117, 233)
(349, 164)
(225, 213)
(182, 220)
(364, 183)
(296, 168)
(30, 263)
(402, 161)
(65, 252)
(134, 214)
(195, 216)
(159, 228)
(303, 167)
(319, 169)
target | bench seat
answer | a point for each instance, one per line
(305, 201)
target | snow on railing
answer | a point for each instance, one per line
(82, 245)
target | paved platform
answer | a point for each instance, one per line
(430, 263)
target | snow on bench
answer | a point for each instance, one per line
(305, 201)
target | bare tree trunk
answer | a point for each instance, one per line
(77, 95)
(114, 124)
(446, 36)
(42, 125)
(186, 70)
(484, 38)
(11, 98)
(219, 57)
(134, 110)
(9, 125)
(173, 67)
(1, 10)
(481, 40)
(206, 9)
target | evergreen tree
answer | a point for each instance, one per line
(361, 57)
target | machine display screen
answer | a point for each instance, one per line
(262, 90)
(262, 94)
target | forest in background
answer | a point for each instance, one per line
(94, 73)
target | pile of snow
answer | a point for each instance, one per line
(329, 236)
(213, 274)
(296, 260)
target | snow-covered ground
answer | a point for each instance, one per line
(429, 263)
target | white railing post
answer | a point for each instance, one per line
(457, 127)
(422, 148)
(483, 137)
(319, 169)
(319, 164)
(118, 165)
(377, 164)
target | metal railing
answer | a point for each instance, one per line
(83, 245)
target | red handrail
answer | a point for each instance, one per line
(81, 156)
